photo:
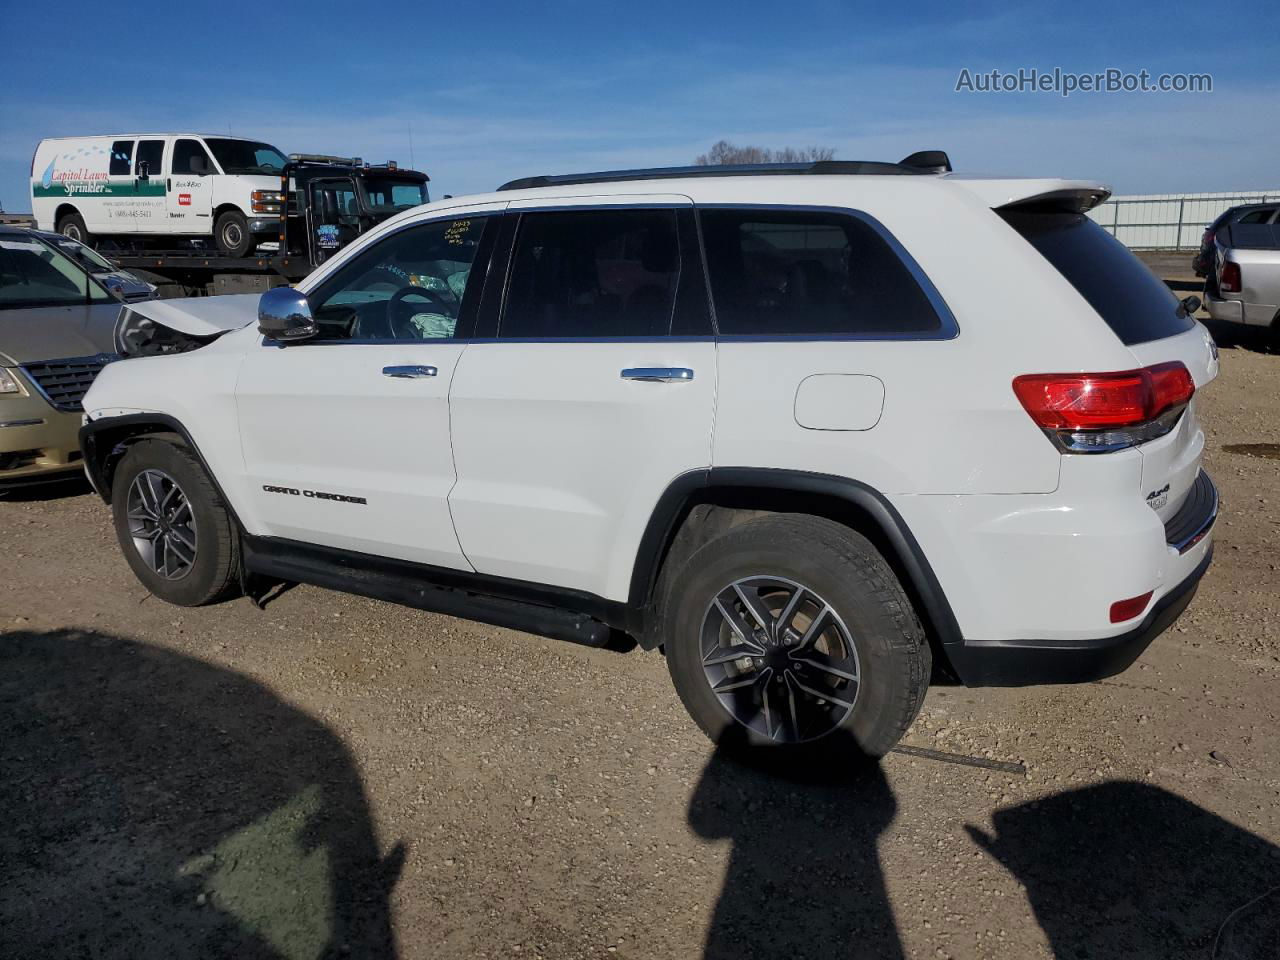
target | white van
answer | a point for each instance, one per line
(159, 185)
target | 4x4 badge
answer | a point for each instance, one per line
(1156, 499)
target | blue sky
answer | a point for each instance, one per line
(492, 91)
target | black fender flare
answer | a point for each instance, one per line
(697, 486)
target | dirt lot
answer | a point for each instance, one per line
(333, 776)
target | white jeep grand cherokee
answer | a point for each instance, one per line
(819, 432)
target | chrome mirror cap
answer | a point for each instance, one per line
(285, 315)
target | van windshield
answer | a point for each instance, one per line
(245, 156)
(37, 274)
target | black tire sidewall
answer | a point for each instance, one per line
(78, 221)
(207, 577)
(246, 243)
(853, 578)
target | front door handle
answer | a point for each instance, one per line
(658, 374)
(409, 372)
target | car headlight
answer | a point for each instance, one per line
(8, 384)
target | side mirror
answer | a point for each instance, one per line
(285, 315)
(1188, 307)
(144, 171)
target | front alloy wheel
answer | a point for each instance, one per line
(779, 659)
(161, 524)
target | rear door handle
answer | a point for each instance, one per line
(658, 374)
(409, 372)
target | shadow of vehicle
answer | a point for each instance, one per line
(156, 806)
(1240, 336)
(1129, 870)
(804, 877)
(74, 485)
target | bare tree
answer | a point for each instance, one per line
(726, 152)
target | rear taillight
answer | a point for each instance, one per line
(1229, 280)
(1101, 412)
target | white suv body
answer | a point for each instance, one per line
(545, 445)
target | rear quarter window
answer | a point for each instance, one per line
(1132, 300)
(813, 273)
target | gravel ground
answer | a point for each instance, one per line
(333, 776)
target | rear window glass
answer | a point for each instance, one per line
(1132, 300)
(809, 273)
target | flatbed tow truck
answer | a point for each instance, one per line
(329, 201)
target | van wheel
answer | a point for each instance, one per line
(232, 234)
(791, 635)
(173, 527)
(72, 225)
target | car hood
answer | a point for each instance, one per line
(202, 316)
(31, 334)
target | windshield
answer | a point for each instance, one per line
(36, 274)
(387, 195)
(245, 156)
(88, 258)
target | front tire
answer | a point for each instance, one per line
(791, 635)
(232, 234)
(175, 531)
(72, 226)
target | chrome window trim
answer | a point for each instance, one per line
(948, 329)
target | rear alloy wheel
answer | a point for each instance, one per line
(792, 635)
(176, 534)
(779, 659)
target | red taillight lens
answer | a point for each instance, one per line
(1097, 412)
(1229, 280)
(1123, 610)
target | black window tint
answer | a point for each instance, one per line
(150, 152)
(121, 157)
(784, 272)
(593, 273)
(1132, 300)
(1256, 216)
(414, 285)
(189, 157)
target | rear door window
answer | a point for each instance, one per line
(1132, 300)
(593, 274)
(809, 273)
(150, 152)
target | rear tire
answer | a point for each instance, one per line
(176, 533)
(72, 225)
(232, 234)
(851, 687)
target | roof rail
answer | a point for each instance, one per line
(923, 162)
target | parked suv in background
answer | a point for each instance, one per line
(813, 430)
(1202, 262)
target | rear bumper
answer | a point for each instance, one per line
(1015, 663)
(1228, 311)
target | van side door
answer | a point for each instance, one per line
(117, 209)
(189, 198)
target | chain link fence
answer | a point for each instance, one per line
(1173, 221)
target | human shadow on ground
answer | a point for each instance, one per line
(1129, 870)
(156, 806)
(804, 877)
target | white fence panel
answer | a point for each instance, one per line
(1169, 221)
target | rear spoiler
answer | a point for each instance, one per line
(1043, 194)
(1059, 201)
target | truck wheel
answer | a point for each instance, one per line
(232, 234)
(173, 527)
(72, 225)
(790, 635)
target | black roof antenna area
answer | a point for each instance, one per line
(935, 161)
